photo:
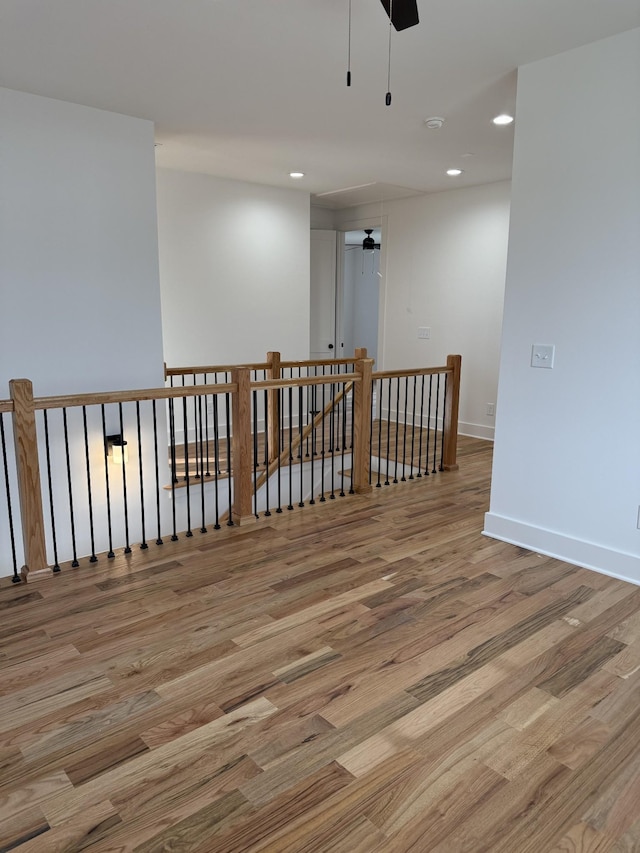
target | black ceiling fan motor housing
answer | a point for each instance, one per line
(405, 13)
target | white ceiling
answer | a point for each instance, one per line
(253, 89)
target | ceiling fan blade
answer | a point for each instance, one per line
(405, 13)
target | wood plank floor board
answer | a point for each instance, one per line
(366, 675)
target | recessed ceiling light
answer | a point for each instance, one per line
(454, 172)
(296, 175)
(503, 118)
(434, 123)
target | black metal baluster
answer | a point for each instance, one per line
(174, 465)
(300, 431)
(395, 474)
(195, 433)
(265, 422)
(266, 449)
(254, 394)
(322, 449)
(206, 430)
(344, 437)
(307, 411)
(332, 495)
(338, 417)
(314, 411)
(127, 549)
(435, 426)
(426, 455)
(413, 424)
(92, 558)
(386, 482)
(203, 528)
(72, 518)
(157, 470)
(419, 474)
(56, 566)
(107, 482)
(143, 544)
(279, 448)
(187, 475)
(312, 499)
(379, 402)
(16, 577)
(290, 506)
(404, 430)
(371, 413)
(227, 404)
(216, 459)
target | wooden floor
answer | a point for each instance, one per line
(363, 676)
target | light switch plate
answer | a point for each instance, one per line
(424, 333)
(542, 355)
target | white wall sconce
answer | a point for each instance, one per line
(116, 448)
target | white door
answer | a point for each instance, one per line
(323, 294)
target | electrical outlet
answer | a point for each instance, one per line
(491, 408)
(424, 333)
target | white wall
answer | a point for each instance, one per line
(322, 218)
(566, 477)
(234, 269)
(79, 288)
(443, 264)
(79, 292)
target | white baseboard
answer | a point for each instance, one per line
(476, 430)
(589, 555)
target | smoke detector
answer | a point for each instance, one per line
(434, 123)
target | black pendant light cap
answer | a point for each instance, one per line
(387, 100)
(348, 78)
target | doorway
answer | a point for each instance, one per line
(345, 293)
(359, 293)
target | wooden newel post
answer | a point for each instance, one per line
(273, 405)
(28, 470)
(241, 447)
(361, 461)
(450, 436)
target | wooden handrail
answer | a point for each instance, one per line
(336, 379)
(105, 397)
(412, 371)
(213, 368)
(318, 362)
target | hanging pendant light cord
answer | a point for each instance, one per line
(349, 50)
(387, 100)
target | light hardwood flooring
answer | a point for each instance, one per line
(369, 675)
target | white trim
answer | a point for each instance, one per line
(476, 430)
(589, 555)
